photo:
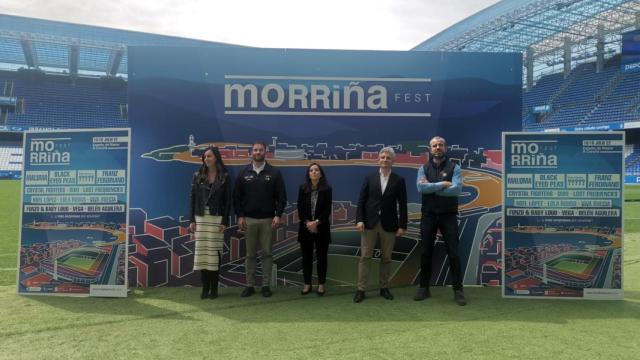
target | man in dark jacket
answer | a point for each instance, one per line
(259, 198)
(381, 195)
(440, 182)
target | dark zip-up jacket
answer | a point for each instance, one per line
(261, 195)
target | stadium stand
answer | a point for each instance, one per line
(585, 97)
(10, 155)
(57, 101)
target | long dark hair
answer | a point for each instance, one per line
(322, 183)
(221, 169)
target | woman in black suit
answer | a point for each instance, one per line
(210, 209)
(314, 211)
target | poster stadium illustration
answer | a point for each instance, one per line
(591, 259)
(336, 108)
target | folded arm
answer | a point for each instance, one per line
(424, 186)
(455, 186)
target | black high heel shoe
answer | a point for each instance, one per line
(320, 293)
(306, 292)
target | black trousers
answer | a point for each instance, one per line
(430, 223)
(322, 248)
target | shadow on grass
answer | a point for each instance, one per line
(485, 304)
(288, 306)
(86, 312)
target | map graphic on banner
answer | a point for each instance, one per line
(337, 108)
(73, 228)
(563, 215)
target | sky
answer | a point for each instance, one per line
(326, 24)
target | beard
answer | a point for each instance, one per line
(258, 158)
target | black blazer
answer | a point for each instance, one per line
(374, 207)
(216, 196)
(323, 213)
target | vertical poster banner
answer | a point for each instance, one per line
(73, 230)
(336, 108)
(563, 197)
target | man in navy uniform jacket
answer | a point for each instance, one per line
(259, 199)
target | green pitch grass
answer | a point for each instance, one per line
(571, 266)
(9, 218)
(79, 263)
(173, 323)
(632, 192)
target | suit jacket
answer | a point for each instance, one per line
(323, 213)
(374, 206)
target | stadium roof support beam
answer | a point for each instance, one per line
(600, 49)
(74, 59)
(529, 68)
(114, 61)
(29, 51)
(567, 56)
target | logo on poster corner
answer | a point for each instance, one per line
(527, 154)
(49, 151)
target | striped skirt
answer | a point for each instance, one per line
(209, 242)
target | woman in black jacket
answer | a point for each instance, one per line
(210, 209)
(314, 212)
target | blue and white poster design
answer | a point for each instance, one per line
(563, 197)
(73, 229)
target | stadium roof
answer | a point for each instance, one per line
(543, 25)
(75, 49)
(507, 26)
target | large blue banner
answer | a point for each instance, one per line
(630, 57)
(338, 108)
(73, 230)
(563, 215)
